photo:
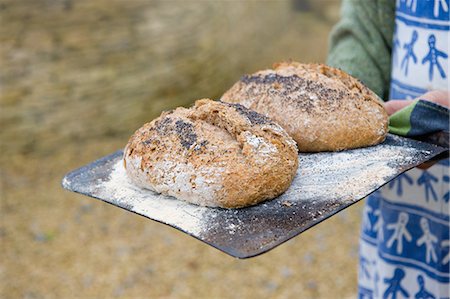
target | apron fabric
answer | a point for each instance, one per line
(405, 242)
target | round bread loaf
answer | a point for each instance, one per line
(322, 108)
(213, 154)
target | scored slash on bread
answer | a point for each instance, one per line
(320, 107)
(213, 154)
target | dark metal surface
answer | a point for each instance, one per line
(325, 184)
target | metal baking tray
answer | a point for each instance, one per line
(325, 184)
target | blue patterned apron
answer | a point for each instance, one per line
(404, 247)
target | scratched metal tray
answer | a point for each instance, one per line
(325, 184)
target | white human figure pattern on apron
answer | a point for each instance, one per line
(400, 232)
(378, 226)
(437, 7)
(404, 247)
(428, 239)
(412, 4)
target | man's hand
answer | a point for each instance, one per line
(440, 97)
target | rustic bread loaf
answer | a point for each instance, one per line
(321, 108)
(214, 154)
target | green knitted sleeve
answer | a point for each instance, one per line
(360, 43)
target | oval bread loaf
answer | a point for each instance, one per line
(213, 154)
(322, 108)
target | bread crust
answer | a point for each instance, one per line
(213, 154)
(322, 108)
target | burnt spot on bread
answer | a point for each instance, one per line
(186, 133)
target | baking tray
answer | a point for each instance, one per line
(325, 184)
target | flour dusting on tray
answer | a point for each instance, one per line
(346, 175)
(143, 201)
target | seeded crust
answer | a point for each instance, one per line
(213, 154)
(321, 108)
